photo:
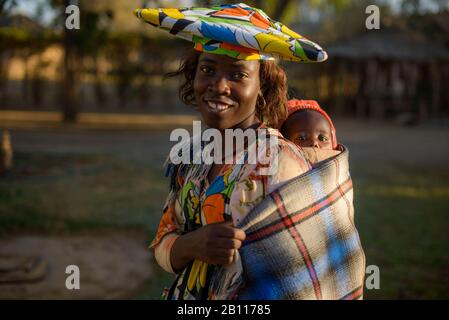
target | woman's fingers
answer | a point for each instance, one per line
(226, 243)
(223, 256)
(216, 243)
(239, 234)
(226, 230)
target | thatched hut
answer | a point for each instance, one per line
(386, 73)
(389, 72)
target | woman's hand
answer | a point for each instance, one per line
(214, 243)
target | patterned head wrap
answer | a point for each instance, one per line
(235, 30)
(295, 105)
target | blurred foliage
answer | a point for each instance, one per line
(7, 5)
(17, 38)
(106, 48)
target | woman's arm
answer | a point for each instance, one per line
(163, 249)
(214, 244)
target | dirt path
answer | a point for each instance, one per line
(367, 141)
(112, 266)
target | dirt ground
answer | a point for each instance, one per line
(112, 265)
(115, 265)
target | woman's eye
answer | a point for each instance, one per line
(240, 75)
(323, 138)
(206, 69)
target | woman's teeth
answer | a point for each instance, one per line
(217, 107)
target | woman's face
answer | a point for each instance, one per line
(226, 91)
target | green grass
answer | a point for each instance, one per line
(401, 213)
(402, 218)
(51, 192)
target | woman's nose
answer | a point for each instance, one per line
(221, 86)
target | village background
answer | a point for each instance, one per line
(85, 118)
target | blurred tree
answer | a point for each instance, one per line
(70, 94)
(280, 8)
(441, 4)
(87, 41)
(410, 6)
(419, 7)
(6, 6)
(70, 88)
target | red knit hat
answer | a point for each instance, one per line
(297, 105)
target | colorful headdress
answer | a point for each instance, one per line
(235, 30)
(295, 105)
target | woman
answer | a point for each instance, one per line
(234, 87)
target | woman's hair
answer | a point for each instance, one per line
(271, 108)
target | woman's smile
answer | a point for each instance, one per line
(216, 106)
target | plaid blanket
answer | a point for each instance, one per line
(301, 240)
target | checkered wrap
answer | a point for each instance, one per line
(301, 240)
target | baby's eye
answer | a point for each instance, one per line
(239, 76)
(302, 137)
(323, 138)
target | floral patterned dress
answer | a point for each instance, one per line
(194, 202)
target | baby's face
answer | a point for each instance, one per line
(308, 128)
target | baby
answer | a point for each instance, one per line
(307, 125)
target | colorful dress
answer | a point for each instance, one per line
(194, 202)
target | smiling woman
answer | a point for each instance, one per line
(212, 199)
(207, 234)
